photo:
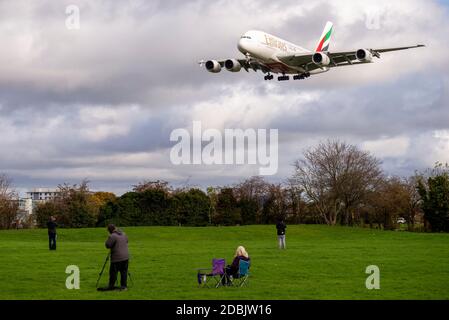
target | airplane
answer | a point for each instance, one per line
(271, 54)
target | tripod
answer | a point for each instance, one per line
(102, 269)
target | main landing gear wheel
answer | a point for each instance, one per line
(301, 76)
(283, 78)
(269, 77)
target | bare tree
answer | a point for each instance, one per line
(390, 201)
(252, 194)
(336, 177)
(253, 188)
(8, 202)
(295, 203)
(276, 205)
(413, 201)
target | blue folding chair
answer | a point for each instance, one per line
(241, 279)
(205, 276)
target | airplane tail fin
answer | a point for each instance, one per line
(323, 44)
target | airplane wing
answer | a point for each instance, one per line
(337, 59)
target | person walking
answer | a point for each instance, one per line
(51, 225)
(281, 226)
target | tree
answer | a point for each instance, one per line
(152, 185)
(212, 194)
(43, 211)
(336, 177)
(413, 201)
(78, 206)
(252, 188)
(228, 212)
(101, 198)
(296, 207)
(191, 207)
(154, 205)
(251, 195)
(74, 207)
(275, 206)
(123, 211)
(390, 200)
(8, 202)
(249, 209)
(434, 192)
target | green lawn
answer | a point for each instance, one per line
(320, 263)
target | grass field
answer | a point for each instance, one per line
(320, 263)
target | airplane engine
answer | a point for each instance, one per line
(213, 66)
(321, 59)
(364, 55)
(233, 65)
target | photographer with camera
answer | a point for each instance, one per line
(118, 243)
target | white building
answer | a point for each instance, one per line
(32, 199)
(26, 206)
(42, 194)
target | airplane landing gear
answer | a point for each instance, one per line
(268, 77)
(301, 76)
(283, 78)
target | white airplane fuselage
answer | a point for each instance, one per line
(266, 49)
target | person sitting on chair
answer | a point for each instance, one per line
(233, 269)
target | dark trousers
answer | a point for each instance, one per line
(229, 271)
(52, 241)
(116, 267)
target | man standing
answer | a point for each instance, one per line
(51, 225)
(118, 243)
(280, 226)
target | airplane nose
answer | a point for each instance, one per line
(242, 46)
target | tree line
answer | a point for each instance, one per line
(333, 183)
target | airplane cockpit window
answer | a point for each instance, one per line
(246, 37)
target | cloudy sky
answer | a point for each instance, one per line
(100, 102)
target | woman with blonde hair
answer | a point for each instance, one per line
(233, 269)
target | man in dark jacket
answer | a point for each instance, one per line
(51, 225)
(280, 226)
(118, 243)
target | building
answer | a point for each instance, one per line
(27, 204)
(42, 194)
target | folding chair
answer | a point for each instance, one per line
(217, 274)
(242, 276)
